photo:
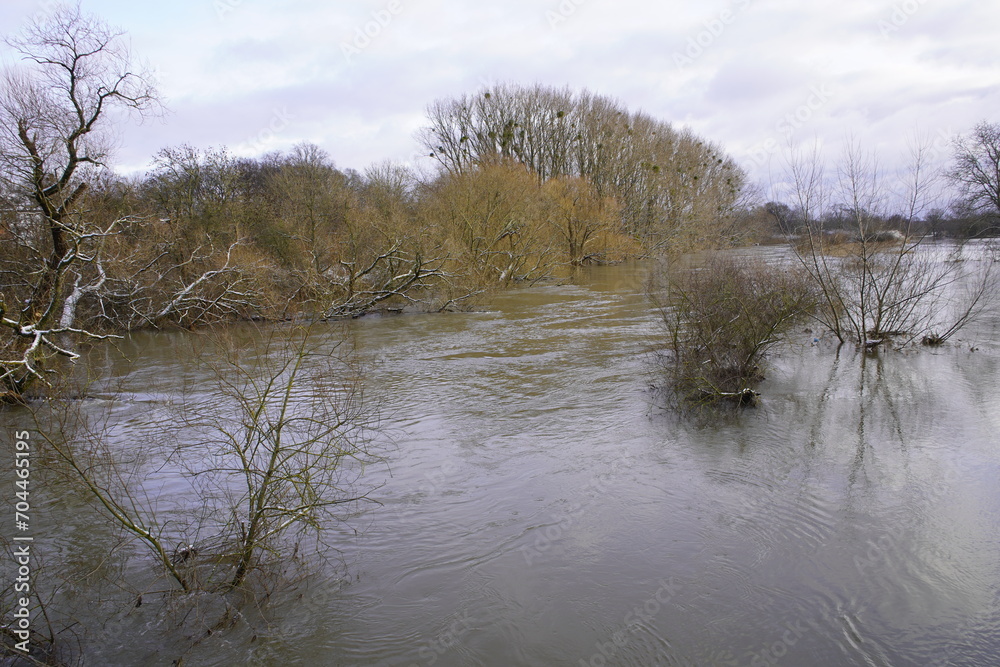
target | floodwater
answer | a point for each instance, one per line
(542, 505)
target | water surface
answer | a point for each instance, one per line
(542, 505)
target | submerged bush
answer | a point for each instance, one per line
(721, 318)
(876, 292)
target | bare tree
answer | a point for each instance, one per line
(54, 137)
(113, 479)
(490, 216)
(976, 168)
(285, 446)
(672, 186)
(393, 272)
(311, 204)
(878, 280)
(277, 452)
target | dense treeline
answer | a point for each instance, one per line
(957, 221)
(671, 185)
(530, 179)
(855, 193)
(207, 236)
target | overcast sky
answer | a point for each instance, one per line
(355, 77)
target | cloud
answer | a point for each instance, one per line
(894, 67)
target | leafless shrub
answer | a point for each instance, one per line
(220, 500)
(284, 448)
(721, 319)
(886, 285)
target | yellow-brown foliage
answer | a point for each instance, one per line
(490, 219)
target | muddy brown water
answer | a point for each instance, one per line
(543, 507)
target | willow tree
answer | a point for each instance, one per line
(490, 220)
(56, 114)
(578, 216)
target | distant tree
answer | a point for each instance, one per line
(935, 221)
(309, 201)
(876, 283)
(976, 168)
(388, 191)
(781, 215)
